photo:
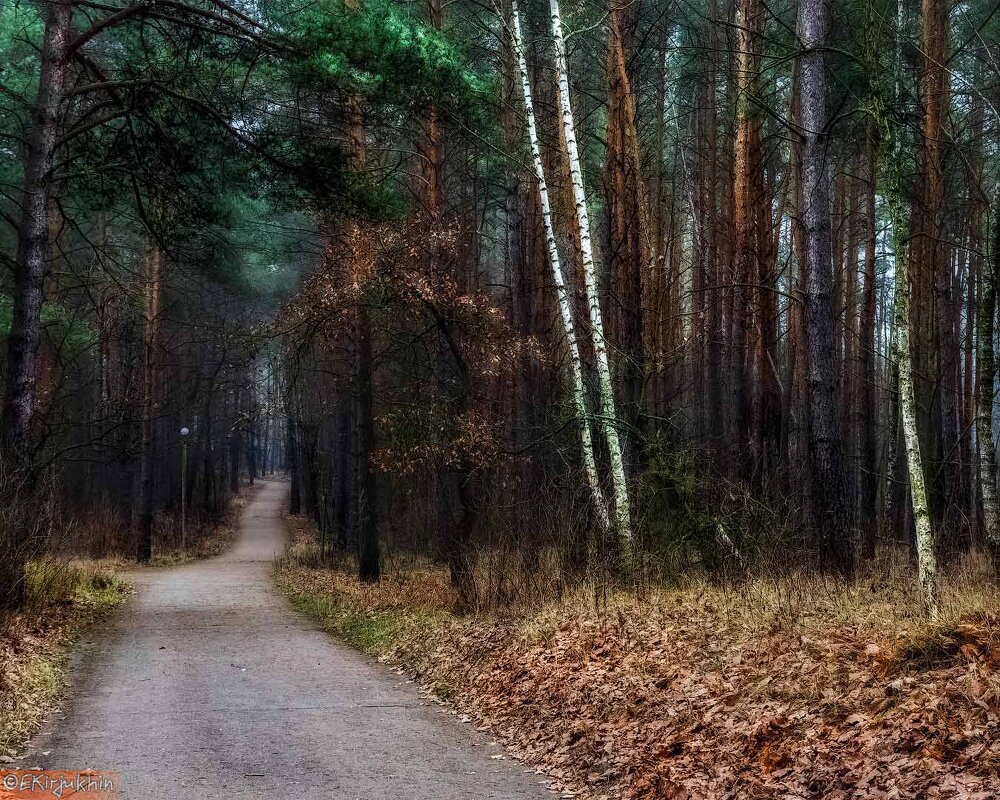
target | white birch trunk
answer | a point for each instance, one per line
(565, 307)
(926, 559)
(609, 422)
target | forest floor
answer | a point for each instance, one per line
(784, 688)
(68, 597)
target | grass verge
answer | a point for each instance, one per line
(65, 598)
(371, 618)
(372, 632)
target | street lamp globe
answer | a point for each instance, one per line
(185, 431)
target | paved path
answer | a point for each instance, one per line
(210, 686)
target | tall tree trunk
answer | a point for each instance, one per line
(292, 465)
(369, 567)
(369, 556)
(798, 405)
(147, 463)
(577, 388)
(429, 146)
(342, 476)
(633, 319)
(18, 410)
(903, 328)
(768, 421)
(867, 375)
(207, 455)
(33, 240)
(756, 387)
(610, 421)
(709, 238)
(235, 445)
(926, 559)
(252, 454)
(830, 503)
(746, 152)
(986, 363)
(930, 260)
(852, 365)
(659, 392)
(964, 294)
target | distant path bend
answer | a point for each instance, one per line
(209, 686)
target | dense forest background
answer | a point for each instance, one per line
(617, 290)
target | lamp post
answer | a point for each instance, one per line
(184, 463)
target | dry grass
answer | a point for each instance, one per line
(409, 584)
(65, 596)
(792, 687)
(104, 534)
(413, 596)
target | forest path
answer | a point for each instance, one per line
(209, 686)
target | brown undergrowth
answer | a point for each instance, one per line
(206, 538)
(790, 688)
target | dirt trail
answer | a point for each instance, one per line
(210, 686)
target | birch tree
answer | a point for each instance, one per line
(903, 356)
(609, 421)
(577, 390)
